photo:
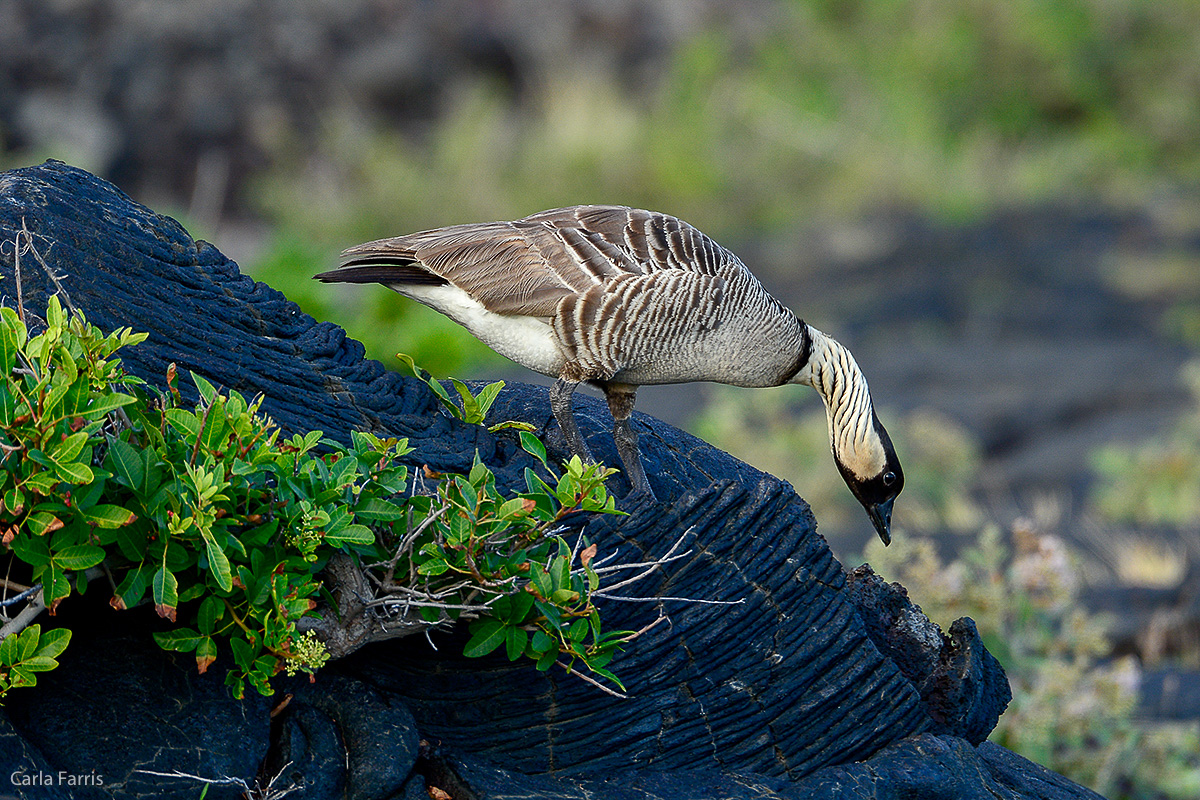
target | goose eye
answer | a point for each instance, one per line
(889, 478)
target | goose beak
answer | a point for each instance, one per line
(881, 518)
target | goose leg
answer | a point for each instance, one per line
(621, 398)
(564, 412)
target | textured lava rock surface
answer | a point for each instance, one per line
(808, 686)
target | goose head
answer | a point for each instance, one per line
(861, 446)
(872, 472)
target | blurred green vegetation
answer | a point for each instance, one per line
(822, 109)
(1156, 482)
(1072, 708)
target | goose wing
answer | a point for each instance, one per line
(647, 241)
(528, 266)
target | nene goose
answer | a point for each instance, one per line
(621, 298)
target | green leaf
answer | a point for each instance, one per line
(106, 403)
(12, 336)
(79, 557)
(487, 396)
(562, 597)
(76, 398)
(212, 610)
(351, 534)
(206, 653)
(40, 523)
(603, 673)
(532, 445)
(577, 630)
(75, 472)
(8, 648)
(469, 495)
(55, 585)
(215, 427)
(166, 590)
(27, 642)
(132, 588)
(513, 508)
(69, 448)
(132, 542)
(33, 550)
(54, 313)
(218, 564)
(43, 483)
(486, 636)
(8, 405)
(434, 566)
(519, 605)
(541, 580)
(546, 660)
(459, 530)
(109, 516)
(540, 642)
(13, 500)
(38, 664)
(470, 405)
(344, 471)
(515, 641)
(183, 640)
(53, 642)
(59, 386)
(185, 422)
(243, 653)
(126, 463)
(520, 426)
(193, 592)
(382, 510)
(540, 493)
(207, 392)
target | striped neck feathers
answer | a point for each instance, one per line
(853, 430)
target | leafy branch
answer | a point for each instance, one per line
(281, 551)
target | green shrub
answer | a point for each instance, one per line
(226, 526)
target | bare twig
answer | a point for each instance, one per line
(16, 243)
(10, 585)
(623, 599)
(391, 601)
(592, 681)
(648, 567)
(37, 604)
(646, 628)
(251, 792)
(19, 597)
(222, 781)
(28, 246)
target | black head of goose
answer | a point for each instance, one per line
(622, 298)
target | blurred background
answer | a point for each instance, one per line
(994, 203)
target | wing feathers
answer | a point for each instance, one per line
(382, 271)
(528, 266)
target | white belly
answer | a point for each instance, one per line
(529, 341)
